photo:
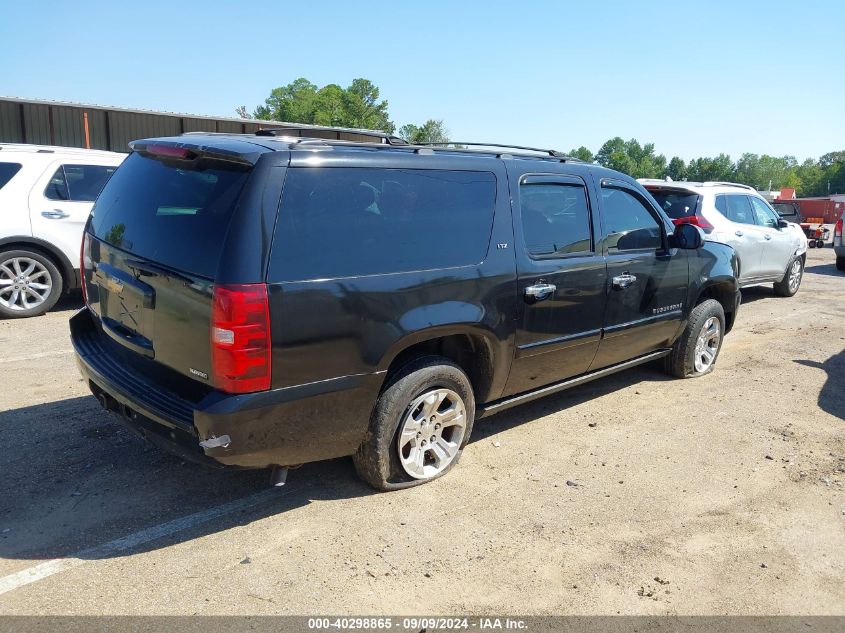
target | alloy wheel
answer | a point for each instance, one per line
(24, 283)
(794, 275)
(431, 433)
(707, 345)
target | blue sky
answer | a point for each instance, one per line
(695, 78)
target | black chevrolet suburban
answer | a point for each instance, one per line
(260, 301)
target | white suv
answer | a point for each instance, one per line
(769, 249)
(46, 194)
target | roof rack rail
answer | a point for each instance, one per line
(716, 183)
(550, 152)
(302, 131)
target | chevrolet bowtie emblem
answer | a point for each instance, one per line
(113, 285)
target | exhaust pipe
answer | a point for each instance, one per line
(278, 476)
(216, 442)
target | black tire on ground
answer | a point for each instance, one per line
(681, 361)
(840, 262)
(811, 243)
(6, 267)
(782, 288)
(377, 459)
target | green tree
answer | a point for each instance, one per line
(293, 103)
(629, 157)
(329, 107)
(677, 169)
(763, 172)
(356, 106)
(363, 108)
(432, 131)
(720, 168)
(582, 153)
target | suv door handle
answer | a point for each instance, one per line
(768, 237)
(540, 292)
(739, 233)
(623, 281)
(55, 214)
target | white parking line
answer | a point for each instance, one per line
(48, 568)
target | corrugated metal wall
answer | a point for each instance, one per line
(109, 129)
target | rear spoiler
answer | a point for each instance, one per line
(176, 148)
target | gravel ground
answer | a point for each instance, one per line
(635, 494)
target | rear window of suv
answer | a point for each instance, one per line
(346, 222)
(170, 213)
(676, 204)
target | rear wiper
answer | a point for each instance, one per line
(154, 270)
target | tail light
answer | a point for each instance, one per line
(837, 233)
(84, 256)
(697, 220)
(240, 338)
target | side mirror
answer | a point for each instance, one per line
(782, 224)
(688, 237)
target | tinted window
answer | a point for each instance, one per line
(343, 222)
(676, 204)
(786, 209)
(85, 182)
(628, 222)
(168, 212)
(736, 208)
(555, 218)
(764, 215)
(7, 171)
(57, 187)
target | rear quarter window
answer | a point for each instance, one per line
(7, 172)
(170, 212)
(347, 222)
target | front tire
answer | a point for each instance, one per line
(695, 352)
(788, 286)
(30, 284)
(419, 426)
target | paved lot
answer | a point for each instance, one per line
(719, 495)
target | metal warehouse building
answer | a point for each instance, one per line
(99, 127)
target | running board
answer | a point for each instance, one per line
(490, 408)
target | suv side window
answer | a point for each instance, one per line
(57, 187)
(736, 208)
(765, 216)
(7, 172)
(555, 219)
(78, 183)
(628, 222)
(353, 221)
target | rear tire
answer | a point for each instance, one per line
(695, 352)
(788, 286)
(429, 397)
(30, 283)
(840, 263)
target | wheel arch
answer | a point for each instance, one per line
(66, 268)
(471, 349)
(725, 294)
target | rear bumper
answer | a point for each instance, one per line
(279, 427)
